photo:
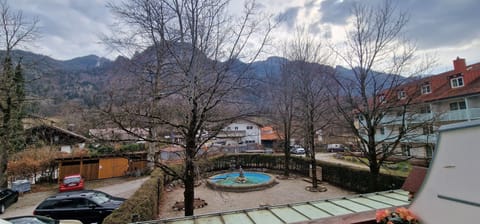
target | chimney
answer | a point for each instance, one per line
(459, 65)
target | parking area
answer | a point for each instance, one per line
(119, 187)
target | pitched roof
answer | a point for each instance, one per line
(269, 134)
(440, 84)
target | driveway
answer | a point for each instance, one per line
(29, 201)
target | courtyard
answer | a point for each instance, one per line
(285, 192)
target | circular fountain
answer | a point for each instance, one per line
(241, 181)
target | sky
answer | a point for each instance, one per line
(442, 28)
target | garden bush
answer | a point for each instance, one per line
(144, 203)
(356, 179)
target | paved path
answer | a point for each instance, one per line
(330, 157)
(29, 201)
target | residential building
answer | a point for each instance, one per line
(240, 132)
(449, 97)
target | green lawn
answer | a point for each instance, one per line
(398, 169)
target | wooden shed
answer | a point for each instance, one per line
(101, 167)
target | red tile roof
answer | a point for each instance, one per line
(269, 134)
(440, 84)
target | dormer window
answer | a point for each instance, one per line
(456, 82)
(401, 94)
(426, 89)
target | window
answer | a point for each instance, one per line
(249, 127)
(385, 147)
(236, 128)
(406, 150)
(456, 82)
(429, 150)
(425, 109)
(426, 89)
(428, 129)
(460, 105)
(401, 94)
(382, 130)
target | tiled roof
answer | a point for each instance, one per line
(440, 84)
(268, 133)
(301, 212)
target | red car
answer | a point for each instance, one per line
(72, 183)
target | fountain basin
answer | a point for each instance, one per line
(229, 181)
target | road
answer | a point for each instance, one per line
(29, 201)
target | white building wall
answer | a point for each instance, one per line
(252, 131)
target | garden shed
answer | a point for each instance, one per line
(101, 167)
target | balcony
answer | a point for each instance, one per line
(456, 115)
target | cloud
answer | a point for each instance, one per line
(68, 28)
(289, 16)
(442, 23)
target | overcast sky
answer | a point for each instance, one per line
(446, 28)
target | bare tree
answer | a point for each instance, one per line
(14, 32)
(281, 101)
(187, 81)
(381, 60)
(310, 77)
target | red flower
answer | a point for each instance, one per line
(382, 214)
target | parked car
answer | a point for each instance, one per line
(299, 150)
(72, 183)
(88, 207)
(36, 219)
(335, 148)
(7, 198)
(113, 198)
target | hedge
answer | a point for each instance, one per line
(256, 161)
(356, 179)
(144, 203)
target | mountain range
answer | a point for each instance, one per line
(56, 84)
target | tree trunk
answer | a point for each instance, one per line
(374, 171)
(286, 148)
(313, 161)
(189, 180)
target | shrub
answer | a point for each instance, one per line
(356, 179)
(143, 205)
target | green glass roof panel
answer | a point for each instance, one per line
(264, 216)
(209, 220)
(237, 218)
(289, 215)
(311, 211)
(187, 221)
(390, 201)
(396, 196)
(351, 205)
(401, 192)
(332, 208)
(371, 203)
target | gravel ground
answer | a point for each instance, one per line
(120, 187)
(285, 192)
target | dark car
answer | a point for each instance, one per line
(35, 219)
(88, 207)
(7, 197)
(113, 198)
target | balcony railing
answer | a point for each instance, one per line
(456, 115)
